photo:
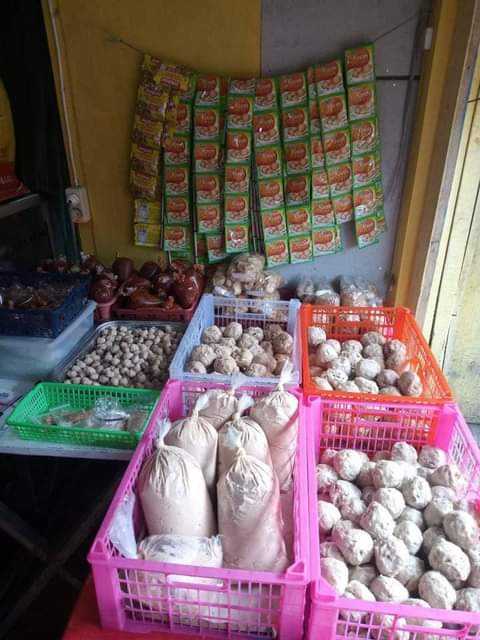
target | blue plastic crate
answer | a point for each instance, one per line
(248, 312)
(43, 323)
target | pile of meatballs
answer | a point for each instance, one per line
(392, 529)
(254, 351)
(372, 364)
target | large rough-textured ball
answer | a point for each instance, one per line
(356, 546)
(392, 500)
(365, 385)
(404, 452)
(450, 560)
(462, 529)
(348, 463)
(410, 534)
(436, 511)
(328, 516)
(410, 514)
(330, 550)
(430, 537)
(211, 335)
(335, 572)
(358, 591)
(387, 473)
(367, 368)
(447, 475)
(233, 330)
(387, 589)
(316, 335)
(343, 490)
(387, 378)
(325, 353)
(435, 589)
(364, 573)
(391, 556)
(410, 384)
(373, 337)
(326, 476)
(417, 493)
(432, 457)
(377, 521)
(411, 573)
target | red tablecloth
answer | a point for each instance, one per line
(84, 622)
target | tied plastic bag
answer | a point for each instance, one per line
(241, 432)
(174, 495)
(222, 403)
(249, 516)
(277, 413)
(306, 290)
(196, 435)
(107, 413)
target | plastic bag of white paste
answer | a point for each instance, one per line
(249, 516)
(241, 431)
(222, 403)
(277, 414)
(196, 435)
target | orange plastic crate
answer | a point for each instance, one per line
(344, 323)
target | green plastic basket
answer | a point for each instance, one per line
(48, 395)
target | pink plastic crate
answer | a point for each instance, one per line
(372, 427)
(236, 603)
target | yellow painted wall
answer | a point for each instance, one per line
(219, 36)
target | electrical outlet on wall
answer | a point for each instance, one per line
(78, 206)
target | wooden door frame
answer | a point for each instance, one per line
(444, 90)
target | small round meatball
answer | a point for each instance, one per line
(402, 451)
(326, 476)
(335, 344)
(387, 378)
(462, 529)
(244, 358)
(373, 337)
(411, 535)
(347, 463)
(340, 529)
(443, 493)
(327, 456)
(450, 560)
(256, 370)
(417, 493)
(195, 366)
(335, 572)
(256, 332)
(246, 341)
(365, 385)
(356, 546)
(233, 330)
(353, 509)
(342, 363)
(392, 500)
(266, 359)
(282, 343)
(377, 521)
(387, 473)
(325, 353)
(389, 391)
(211, 335)
(391, 555)
(396, 362)
(387, 589)
(392, 627)
(357, 591)
(226, 366)
(411, 573)
(352, 356)
(266, 345)
(348, 386)
(447, 475)
(409, 514)
(328, 516)
(342, 490)
(436, 511)
(410, 384)
(394, 346)
(431, 536)
(468, 600)
(409, 471)
(432, 457)
(322, 383)
(336, 377)
(352, 346)
(330, 550)
(435, 589)
(316, 335)
(203, 353)
(373, 351)
(367, 368)
(364, 573)
(364, 478)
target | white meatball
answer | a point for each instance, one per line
(211, 335)
(461, 528)
(394, 346)
(411, 573)
(335, 344)
(410, 514)
(328, 516)
(348, 386)
(410, 384)
(256, 332)
(352, 356)
(402, 451)
(335, 572)
(368, 494)
(340, 529)
(450, 560)
(417, 493)
(474, 577)
(234, 330)
(342, 363)
(468, 600)
(352, 346)
(373, 337)
(391, 555)
(377, 521)
(392, 500)
(392, 627)
(330, 550)
(325, 353)
(443, 493)
(387, 378)
(436, 511)
(389, 391)
(327, 456)
(447, 475)
(367, 368)
(356, 546)
(365, 573)
(357, 591)
(316, 335)
(431, 536)
(365, 385)
(347, 463)
(353, 509)
(343, 490)
(322, 383)
(203, 353)
(422, 621)
(195, 366)
(387, 473)
(374, 351)
(410, 534)
(432, 457)
(326, 476)
(225, 366)
(435, 589)
(364, 478)
(387, 589)
(336, 377)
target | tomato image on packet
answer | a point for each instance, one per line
(365, 136)
(176, 181)
(273, 224)
(236, 238)
(297, 189)
(333, 112)
(300, 248)
(184, 118)
(176, 150)
(238, 146)
(293, 89)
(298, 220)
(366, 168)
(266, 128)
(320, 186)
(322, 212)
(177, 209)
(295, 123)
(237, 178)
(328, 77)
(271, 193)
(367, 200)
(242, 86)
(216, 247)
(359, 64)
(316, 152)
(326, 241)
(208, 90)
(361, 101)
(340, 178)
(314, 115)
(265, 94)
(209, 217)
(206, 156)
(366, 231)
(269, 161)
(276, 252)
(239, 112)
(297, 156)
(177, 238)
(343, 207)
(207, 123)
(207, 187)
(337, 146)
(236, 208)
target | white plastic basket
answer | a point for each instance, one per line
(249, 313)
